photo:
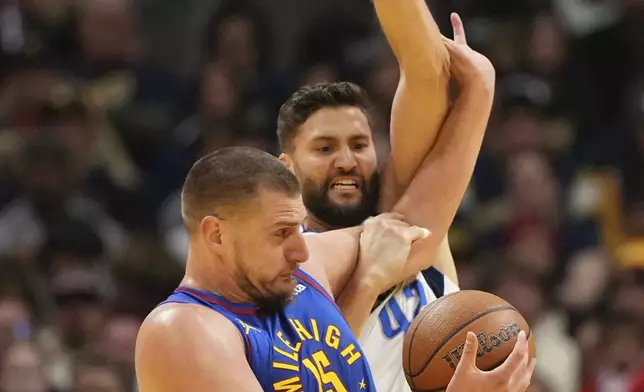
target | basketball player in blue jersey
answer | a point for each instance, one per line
(246, 317)
(326, 139)
(255, 311)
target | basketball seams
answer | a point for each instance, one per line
(454, 333)
(413, 330)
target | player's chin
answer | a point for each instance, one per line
(284, 285)
(345, 199)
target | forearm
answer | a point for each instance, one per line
(418, 113)
(413, 36)
(333, 258)
(356, 303)
(447, 171)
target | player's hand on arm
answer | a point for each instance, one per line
(384, 248)
(385, 244)
(190, 348)
(449, 166)
(513, 375)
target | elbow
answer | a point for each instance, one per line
(432, 68)
(481, 84)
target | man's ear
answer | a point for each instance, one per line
(211, 231)
(286, 160)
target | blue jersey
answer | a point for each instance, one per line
(307, 346)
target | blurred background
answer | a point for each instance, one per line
(105, 104)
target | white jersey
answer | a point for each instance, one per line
(383, 335)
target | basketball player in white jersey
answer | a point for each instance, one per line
(326, 139)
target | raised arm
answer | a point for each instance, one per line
(189, 348)
(446, 171)
(448, 167)
(421, 101)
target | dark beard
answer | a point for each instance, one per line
(316, 199)
(265, 304)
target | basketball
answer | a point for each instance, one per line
(434, 342)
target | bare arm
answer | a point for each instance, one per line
(444, 261)
(333, 257)
(356, 302)
(421, 101)
(189, 348)
(448, 168)
(419, 109)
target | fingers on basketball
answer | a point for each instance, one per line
(468, 358)
(459, 30)
(516, 362)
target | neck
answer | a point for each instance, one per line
(314, 224)
(209, 273)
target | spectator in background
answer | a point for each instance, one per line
(22, 370)
(116, 345)
(15, 322)
(93, 375)
(50, 195)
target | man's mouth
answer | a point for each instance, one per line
(345, 184)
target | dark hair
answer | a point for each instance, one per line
(230, 177)
(309, 99)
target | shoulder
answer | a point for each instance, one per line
(174, 337)
(176, 327)
(186, 347)
(169, 318)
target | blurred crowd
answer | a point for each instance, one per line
(105, 104)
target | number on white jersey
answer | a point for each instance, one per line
(392, 318)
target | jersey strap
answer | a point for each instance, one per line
(436, 281)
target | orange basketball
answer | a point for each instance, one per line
(434, 342)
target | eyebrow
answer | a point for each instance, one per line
(288, 222)
(323, 139)
(332, 138)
